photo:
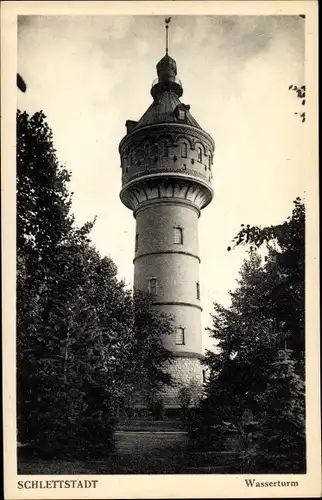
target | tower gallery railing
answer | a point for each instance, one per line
(172, 79)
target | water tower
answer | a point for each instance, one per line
(166, 161)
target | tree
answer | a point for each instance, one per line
(301, 94)
(42, 195)
(43, 224)
(82, 339)
(282, 421)
(246, 343)
(286, 259)
(256, 382)
(73, 315)
(89, 328)
(149, 359)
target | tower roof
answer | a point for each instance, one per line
(166, 154)
(166, 91)
(163, 110)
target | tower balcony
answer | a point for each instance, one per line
(158, 159)
(173, 79)
(168, 151)
(166, 187)
(172, 84)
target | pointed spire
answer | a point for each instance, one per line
(167, 71)
(167, 22)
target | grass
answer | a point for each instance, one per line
(140, 453)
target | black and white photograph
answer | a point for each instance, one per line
(164, 194)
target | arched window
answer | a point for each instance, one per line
(199, 154)
(166, 148)
(153, 286)
(178, 235)
(146, 150)
(209, 160)
(184, 150)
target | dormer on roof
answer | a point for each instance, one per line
(181, 112)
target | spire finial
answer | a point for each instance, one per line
(167, 21)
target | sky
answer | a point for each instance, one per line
(89, 74)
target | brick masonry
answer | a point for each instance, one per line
(187, 372)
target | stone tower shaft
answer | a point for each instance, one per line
(166, 161)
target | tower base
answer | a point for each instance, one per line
(170, 401)
(187, 377)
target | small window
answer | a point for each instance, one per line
(136, 242)
(155, 150)
(209, 161)
(166, 149)
(153, 286)
(184, 150)
(178, 235)
(180, 336)
(131, 156)
(198, 290)
(204, 375)
(182, 114)
(200, 155)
